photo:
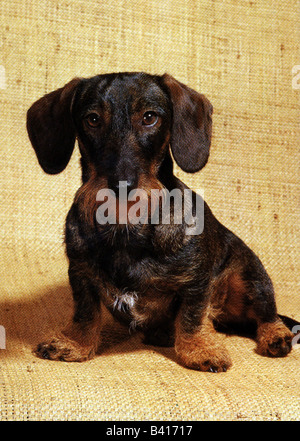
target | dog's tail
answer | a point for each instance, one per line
(249, 329)
(289, 322)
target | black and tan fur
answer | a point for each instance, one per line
(175, 288)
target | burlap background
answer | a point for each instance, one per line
(240, 54)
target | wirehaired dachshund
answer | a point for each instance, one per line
(179, 289)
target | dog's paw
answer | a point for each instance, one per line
(274, 339)
(63, 349)
(210, 359)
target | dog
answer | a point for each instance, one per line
(174, 287)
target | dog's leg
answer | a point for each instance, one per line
(80, 340)
(162, 335)
(197, 344)
(248, 295)
(273, 337)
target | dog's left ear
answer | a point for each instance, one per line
(50, 128)
(192, 125)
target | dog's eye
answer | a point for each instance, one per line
(150, 118)
(93, 119)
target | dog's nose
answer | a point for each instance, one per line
(125, 185)
(122, 187)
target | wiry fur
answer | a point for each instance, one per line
(174, 287)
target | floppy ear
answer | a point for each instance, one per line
(192, 125)
(50, 128)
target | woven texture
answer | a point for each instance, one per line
(240, 54)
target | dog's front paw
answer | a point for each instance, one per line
(63, 349)
(274, 339)
(208, 359)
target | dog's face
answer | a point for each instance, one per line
(124, 124)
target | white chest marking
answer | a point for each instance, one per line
(125, 301)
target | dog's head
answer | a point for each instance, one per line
(124, 124)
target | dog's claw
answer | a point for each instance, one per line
(216, 370)
(42, 352)
(213, 369)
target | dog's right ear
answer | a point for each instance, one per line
(51, 129)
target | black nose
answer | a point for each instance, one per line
(123, 187)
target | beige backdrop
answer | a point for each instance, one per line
(240, 54)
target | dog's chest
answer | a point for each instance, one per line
(130, 267)
(141, 310)
(125, 302)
